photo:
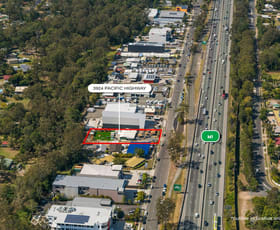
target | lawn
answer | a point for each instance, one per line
(102, 135)
(274, 75)
(8, 152)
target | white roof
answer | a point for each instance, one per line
(20, 89)
(135, 54)
(171, 14)
(152, 13)
(90, 202)
(125, 107)
(149, 77)
(129, 134)
(134, 65)
(99, 170)
(132, 75)
(133, 60)
(69, 215)
(117, 167)
(159, 31)
(126, 118)
(150, 110)
(91, 182)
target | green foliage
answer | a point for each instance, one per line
(72, 45)
(164, 207)
(174, 147)
(120, 213)
(140, 196)
(140, 152)
(263, 114)
(267, 207)
(119, 160)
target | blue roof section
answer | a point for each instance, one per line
(132, 148)
(76, 219)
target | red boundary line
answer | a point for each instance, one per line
(122, 143)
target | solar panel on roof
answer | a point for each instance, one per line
(77, 219)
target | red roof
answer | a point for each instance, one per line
(5, 142)
(6, 77)
(277, 140)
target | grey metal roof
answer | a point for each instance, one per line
(91, 182)
(91, 202)
(171, 14)
(138, 119)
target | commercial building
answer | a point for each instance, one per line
(149, 78)
(171, 14)
(129, 116)
(91, 202)
(183, 8)
(152, 13)
(133, 76)
(161, 35)
(146, 47)
(72, 186)
(162, 22)
(78, 218)
(20, 89)
(108, 171)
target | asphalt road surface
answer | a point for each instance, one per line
(205, 180)
(161, 170)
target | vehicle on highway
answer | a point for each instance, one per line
(218, 175)
(199, 186)
(209, 185)
(211, 202)
(224, 94)
(196, 215)
(165, 186)
(204, 111)
(217, 194)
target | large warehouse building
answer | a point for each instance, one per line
(79, 218)
(146, 47)
(161, 35)
(130, 117)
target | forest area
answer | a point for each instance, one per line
(72, 45)
(240, 148)
(239, 144)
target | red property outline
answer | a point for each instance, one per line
(121, 143)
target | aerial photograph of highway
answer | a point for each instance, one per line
(140, 114)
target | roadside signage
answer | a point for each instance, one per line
(119, 88)
(177, 187)
(210, 136)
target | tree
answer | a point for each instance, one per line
(263, 114)
(183, 112)
(140, 152)
(164, 207)
(140, 196)
(174, 147)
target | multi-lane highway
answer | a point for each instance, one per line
(162, 166)
(205, 179)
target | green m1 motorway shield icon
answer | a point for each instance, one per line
(210, 136)
(177, 187)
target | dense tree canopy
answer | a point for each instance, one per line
(72, 45)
